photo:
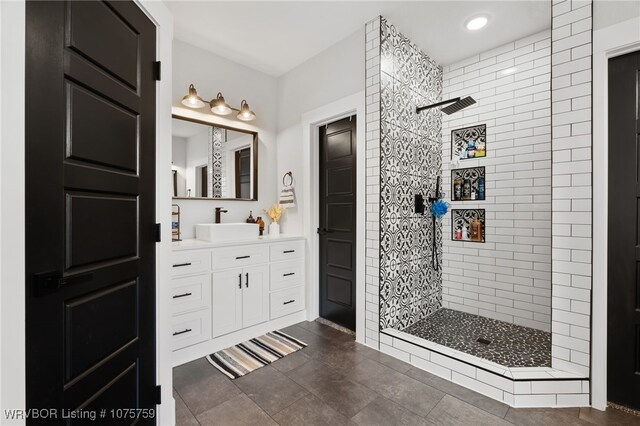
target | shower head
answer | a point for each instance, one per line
(456, 105)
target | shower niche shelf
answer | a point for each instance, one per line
(462, 219)
(466, 184)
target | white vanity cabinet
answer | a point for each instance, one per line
(240, 298)
(230, 292)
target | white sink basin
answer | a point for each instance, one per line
(215, 232)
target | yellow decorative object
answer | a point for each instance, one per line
(275, 212)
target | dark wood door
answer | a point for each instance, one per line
(90, 207)
(623, 351)
(338, 222)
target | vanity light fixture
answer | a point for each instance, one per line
(476, 23)
(192, 100)
(218, 105)
(245, 113)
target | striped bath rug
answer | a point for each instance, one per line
(242, 359)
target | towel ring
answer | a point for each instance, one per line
(284, 178)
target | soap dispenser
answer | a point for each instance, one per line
(250, 219)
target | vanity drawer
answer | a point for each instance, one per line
(285, 302)
(239, 256)
(190, 293)
(286, 251)
(191, 262)
(189, 329)
(286, 274)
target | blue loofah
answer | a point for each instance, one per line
(440, 208)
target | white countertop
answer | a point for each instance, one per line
(192, 243)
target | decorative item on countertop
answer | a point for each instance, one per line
(275, 213)
(260, 223)
(175, 223)
(250, 219)
(287, 196)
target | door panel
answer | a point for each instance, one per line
(255, 296)
(116, 54)
(90, 206)
(337, 221)
(226, 290)
(101, 132)
(623, 340)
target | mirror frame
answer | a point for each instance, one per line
(254, 148)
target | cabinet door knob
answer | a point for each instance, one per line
(289, 301)
(247, 283)
(288, 274)
(240, 281)
(186, 330)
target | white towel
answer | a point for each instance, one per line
(287, 197)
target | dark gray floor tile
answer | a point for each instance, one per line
(240, 410)
(310, 411)
(326, 331)
(544, 416)
(489, 405)
(451, 411)
(403, 390)
(291, 361)
(377, 356)
(383, 412)
(201, 386)
(183, 415)
(332, 387)
(609, 417)
(270, 389)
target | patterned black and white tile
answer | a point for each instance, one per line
(506, 344)
(410, 161)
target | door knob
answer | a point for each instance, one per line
(323, 231)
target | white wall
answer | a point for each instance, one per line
(333, 74)
(509, 276)
(12, 244)
(607, 13)
(212, 74)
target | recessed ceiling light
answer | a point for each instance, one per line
(476, 23)
(509, 71)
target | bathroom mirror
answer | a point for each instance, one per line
(213, 161)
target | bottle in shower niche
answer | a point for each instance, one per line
(475, 230)
(481, 188)
(457, 189)
(466, 190)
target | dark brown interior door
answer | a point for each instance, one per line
(338, 222)
(623, 341)
(90, 208)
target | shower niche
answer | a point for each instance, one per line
(468, 225)
(469, 142)
(468, 184)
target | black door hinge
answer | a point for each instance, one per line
(158, 394)
(158, 232)
(157, 70)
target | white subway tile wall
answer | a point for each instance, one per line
(372, 269)
(571, 181)
(507, 278)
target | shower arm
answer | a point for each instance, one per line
(450, 101)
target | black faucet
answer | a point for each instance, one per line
(218, 211)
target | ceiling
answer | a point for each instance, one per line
(275, 37)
